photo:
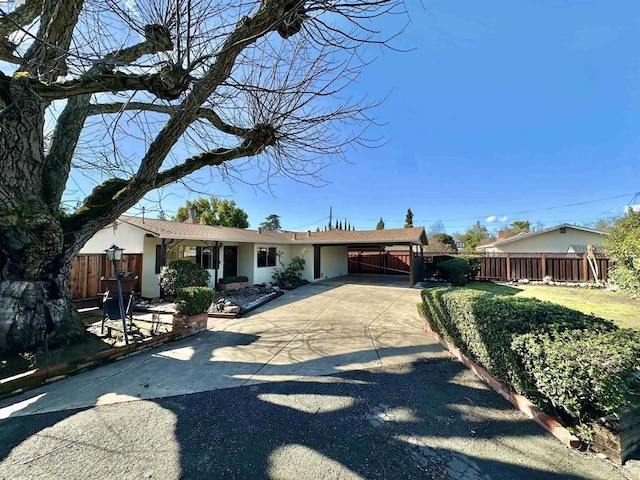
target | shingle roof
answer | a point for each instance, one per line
(190, 231)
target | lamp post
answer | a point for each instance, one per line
(114, 254)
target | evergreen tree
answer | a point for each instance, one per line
(408, 220)
(271, 223)
(380, 225)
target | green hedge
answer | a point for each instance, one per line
(238, 279)
(193, 300)
(454, 270)
(538, 348)
(584, 373)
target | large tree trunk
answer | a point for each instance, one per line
(35, 302)
(35, 313)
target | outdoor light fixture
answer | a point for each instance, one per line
(114, 253)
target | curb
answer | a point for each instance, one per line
(546, 421)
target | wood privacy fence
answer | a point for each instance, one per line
(496, 266)
(535, 266)
(388, 263)
(87, 270)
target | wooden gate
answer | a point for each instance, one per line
(87, 270)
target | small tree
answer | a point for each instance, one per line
(472, 237)
(223, 213)
(442, 243)
(517, 227)
(408, 220)
(623, 247)
(271, 224)
(380, 225)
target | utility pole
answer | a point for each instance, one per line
(330, 218)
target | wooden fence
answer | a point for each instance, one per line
(497, 266)
(87, 270)
(535, 266)
(388, 263)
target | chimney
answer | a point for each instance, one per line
(501, 235)
(192, 216)
(294, 236)
(308, 233)
(259, 230)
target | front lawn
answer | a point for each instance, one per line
(620, 309)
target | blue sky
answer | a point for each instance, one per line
(500, 107)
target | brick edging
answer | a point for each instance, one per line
(549, 423)
(42, 376)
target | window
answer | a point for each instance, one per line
(267, 256)
(563, 230)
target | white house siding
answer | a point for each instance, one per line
(246, 261)
(333, 261)
(306, 252)
(125, 236)
(551, 242)
(265, 274)
(150, 287)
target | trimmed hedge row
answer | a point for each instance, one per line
(237, 279)
(461, 269)
(560, 358)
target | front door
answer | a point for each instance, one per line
(230, 267)
(317, 271)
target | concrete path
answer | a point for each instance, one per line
(334, 380)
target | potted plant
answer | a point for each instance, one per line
(192, 305)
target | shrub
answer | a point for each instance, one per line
(193, 300)
(182, 273)
(535, 347)
(237, 279)
(474, 263)
(454, 270)
(584, 373)
(292, 273)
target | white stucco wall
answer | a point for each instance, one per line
(264, 274)
(150, 285)
(552, 242)
(246, 261)
(333, 262)
(125, 236)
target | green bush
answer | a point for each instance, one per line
(237, 279)
(474, 262)
(454, 270)
(503, 334)
(182, 273)
(585, 373)
(292, 273)
(193, 300)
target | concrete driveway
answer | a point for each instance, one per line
(335, 380)
(322, 328)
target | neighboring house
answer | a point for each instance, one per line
(563, 238)
(228, 252)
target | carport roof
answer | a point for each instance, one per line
(194, 231)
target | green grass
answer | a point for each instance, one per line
(620, 309)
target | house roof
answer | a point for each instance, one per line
(522, 236)
(190, 231)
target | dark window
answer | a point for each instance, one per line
(267, 256)
(158, 258)
(563, 230)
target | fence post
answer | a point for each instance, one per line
(543, 265)
(508, 267)
(585, 268)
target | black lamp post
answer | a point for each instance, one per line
(114, 254)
